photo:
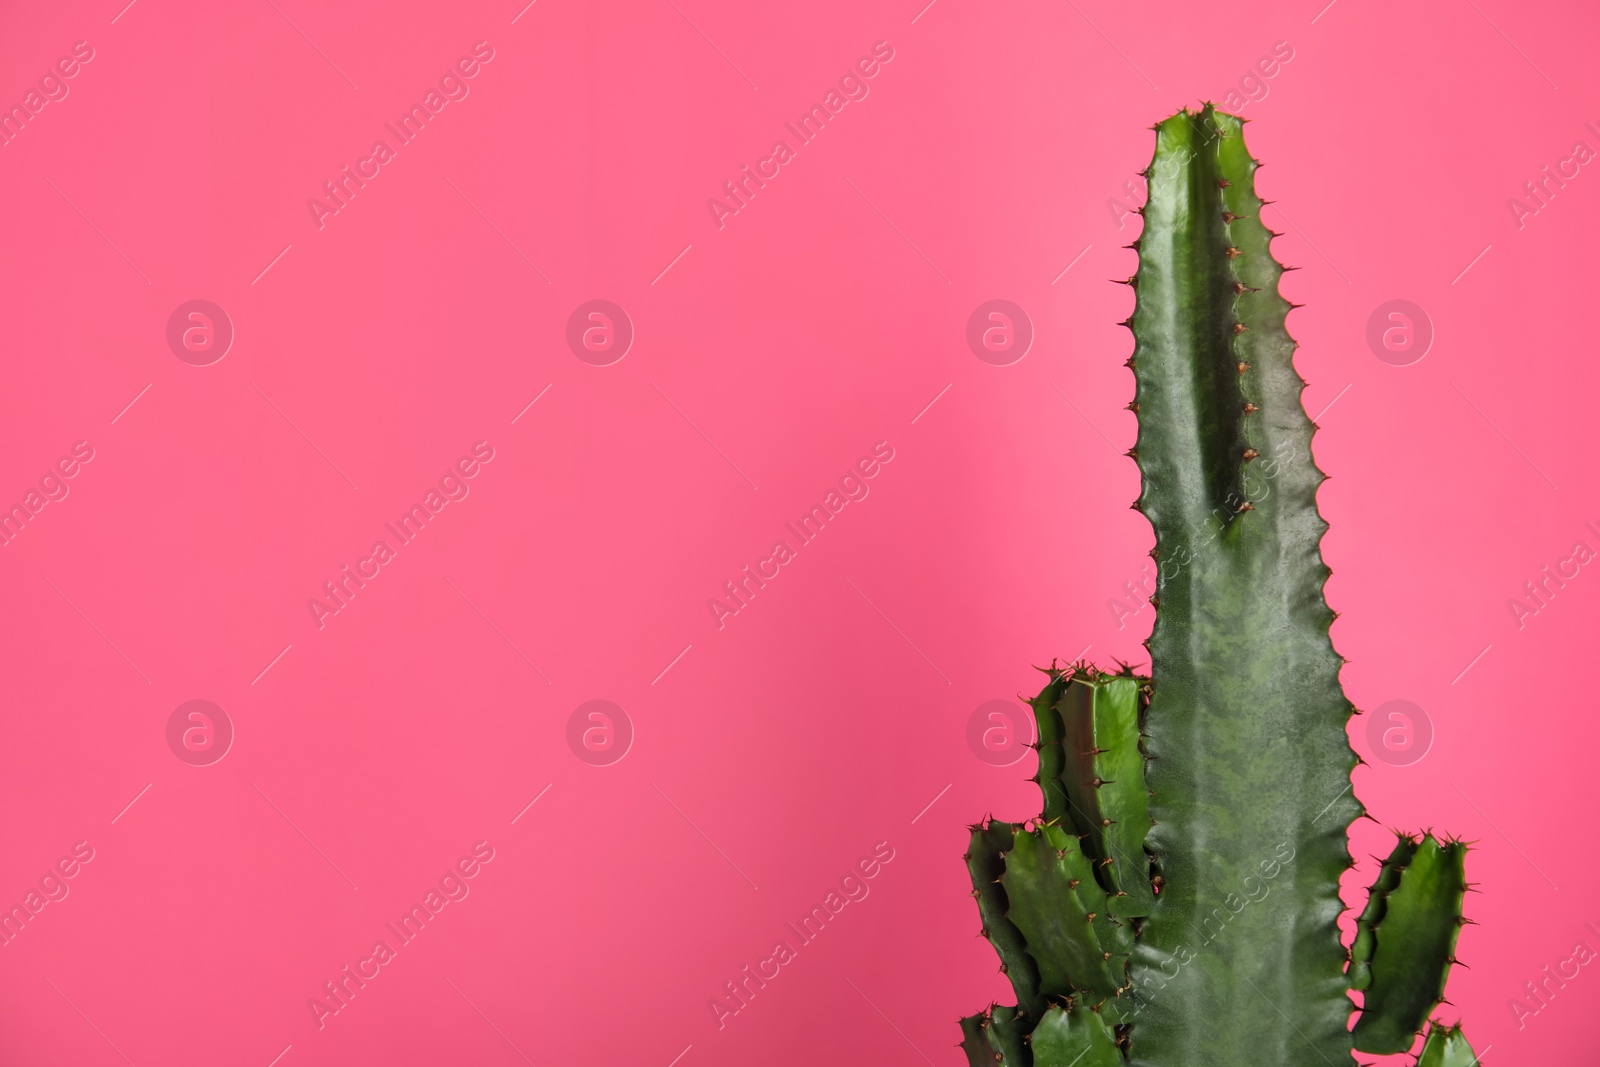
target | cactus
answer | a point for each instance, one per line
(1177, 900)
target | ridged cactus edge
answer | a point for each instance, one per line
(1176, 902)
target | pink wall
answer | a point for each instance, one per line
(770, 756)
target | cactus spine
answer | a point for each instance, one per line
(1177, 901)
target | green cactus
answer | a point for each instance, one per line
(1177, 900)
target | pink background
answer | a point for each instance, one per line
(822, 318)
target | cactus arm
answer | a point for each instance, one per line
(1052, 755)
(1414, 943)
(1367, 924)
(1246, 724)
(990, 842)
(1446, 1046)
(1075, 1037)
(1061, 911)
(1105, 783)
(975, 1040)
(996, 1038)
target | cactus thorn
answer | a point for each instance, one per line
(1250, 454)
(1232, 252)
(1250, 409)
